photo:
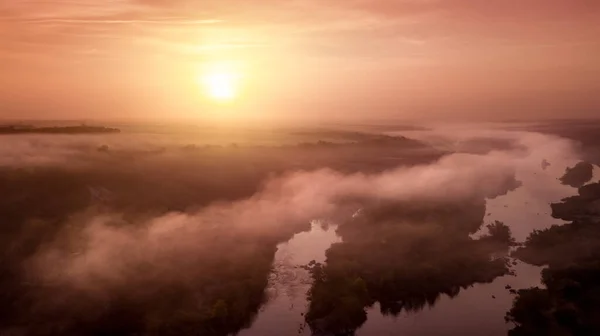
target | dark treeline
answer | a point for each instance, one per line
(211, 286)
(83, 129)
(404, 256)
(578, 175)
(569, 302)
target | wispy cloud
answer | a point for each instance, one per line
(411, 22)
(345, 34)
(168, 21)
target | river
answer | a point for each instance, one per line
(478, 310)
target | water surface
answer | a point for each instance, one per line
(477, 310)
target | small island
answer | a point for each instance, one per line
(81, 129)
(578, 175)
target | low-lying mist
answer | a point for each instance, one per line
(173, 237)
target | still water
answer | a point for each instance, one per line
(478, 310)
(288, 285)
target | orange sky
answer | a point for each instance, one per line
(320, 59)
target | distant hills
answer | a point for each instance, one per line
(82, 129)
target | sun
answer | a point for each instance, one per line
(220, 83)
(220, 86)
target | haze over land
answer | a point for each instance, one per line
(173, 233)
(299, 167)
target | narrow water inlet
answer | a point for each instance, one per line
(527, 208)
(596, 174)
(480, 307)
(284, 313)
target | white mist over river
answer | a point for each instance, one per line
(478, 310)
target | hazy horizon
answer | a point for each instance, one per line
(299, 167)
(303, 59)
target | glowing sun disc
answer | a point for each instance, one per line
(220, 85)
